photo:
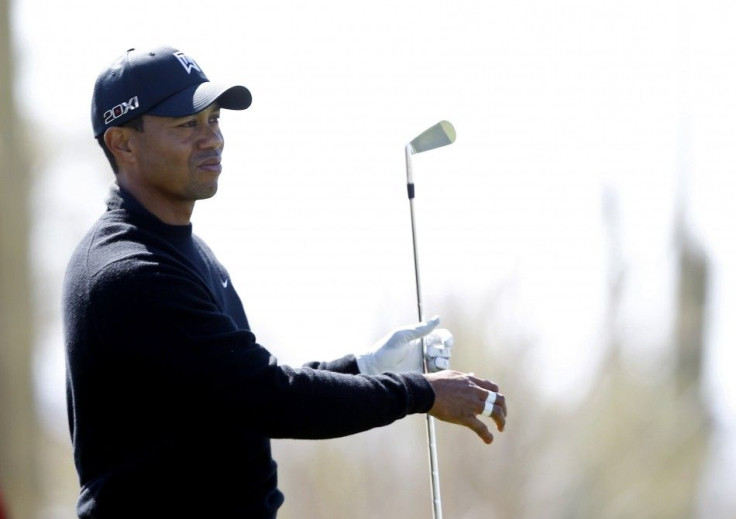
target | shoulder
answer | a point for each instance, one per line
(209, 256)
(203, 247)
(113, 251)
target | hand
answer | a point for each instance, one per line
(401, 350)
(459, 398)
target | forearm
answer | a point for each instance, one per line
(346, 364)
(317, 404)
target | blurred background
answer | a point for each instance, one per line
(578, 238)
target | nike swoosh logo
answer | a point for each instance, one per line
(225, 282)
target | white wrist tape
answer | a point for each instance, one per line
(490, 401)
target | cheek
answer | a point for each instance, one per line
(167, 158)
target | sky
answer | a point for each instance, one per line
(565, 112)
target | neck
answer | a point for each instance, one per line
(168, 211)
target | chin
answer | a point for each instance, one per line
(204, 192)
(212, 192)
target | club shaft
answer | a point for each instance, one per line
(441, 134)
(418, 284)
(434, 469)
(431, 436)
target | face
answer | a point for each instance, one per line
(177, 160)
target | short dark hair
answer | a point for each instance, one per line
(136, 124)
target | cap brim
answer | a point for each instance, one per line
(198, 97)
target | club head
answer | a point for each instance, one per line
(441, 134)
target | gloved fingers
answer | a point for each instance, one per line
(434, 352)
(438, 349)
(439, 343)
(419, 330)
(438, 364)
(402, 336)
(440, 338)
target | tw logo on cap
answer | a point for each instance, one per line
(187, 62)
(120, 110)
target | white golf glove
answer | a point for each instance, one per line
(401, 350)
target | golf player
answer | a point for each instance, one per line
(172, 402)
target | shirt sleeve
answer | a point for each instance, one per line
(177, 353)
(347, 364)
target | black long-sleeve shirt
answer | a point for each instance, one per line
(171, 400)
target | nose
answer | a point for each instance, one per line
(211, 137)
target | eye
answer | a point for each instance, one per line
(188, 124)
(215, 118)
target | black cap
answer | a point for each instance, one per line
(161, 81)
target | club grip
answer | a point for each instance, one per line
(410, 190)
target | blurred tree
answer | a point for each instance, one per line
(691, 301)
(17, 417)
(640, 441)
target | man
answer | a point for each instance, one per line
(171, 401)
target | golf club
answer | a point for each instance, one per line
(441, 134)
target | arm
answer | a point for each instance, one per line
(346, 364)
(190, 362)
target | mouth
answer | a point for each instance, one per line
(211, 164)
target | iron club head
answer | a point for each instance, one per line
(441, 134)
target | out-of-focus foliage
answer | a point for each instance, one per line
(18, 482)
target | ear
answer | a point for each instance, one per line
(117, 140)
